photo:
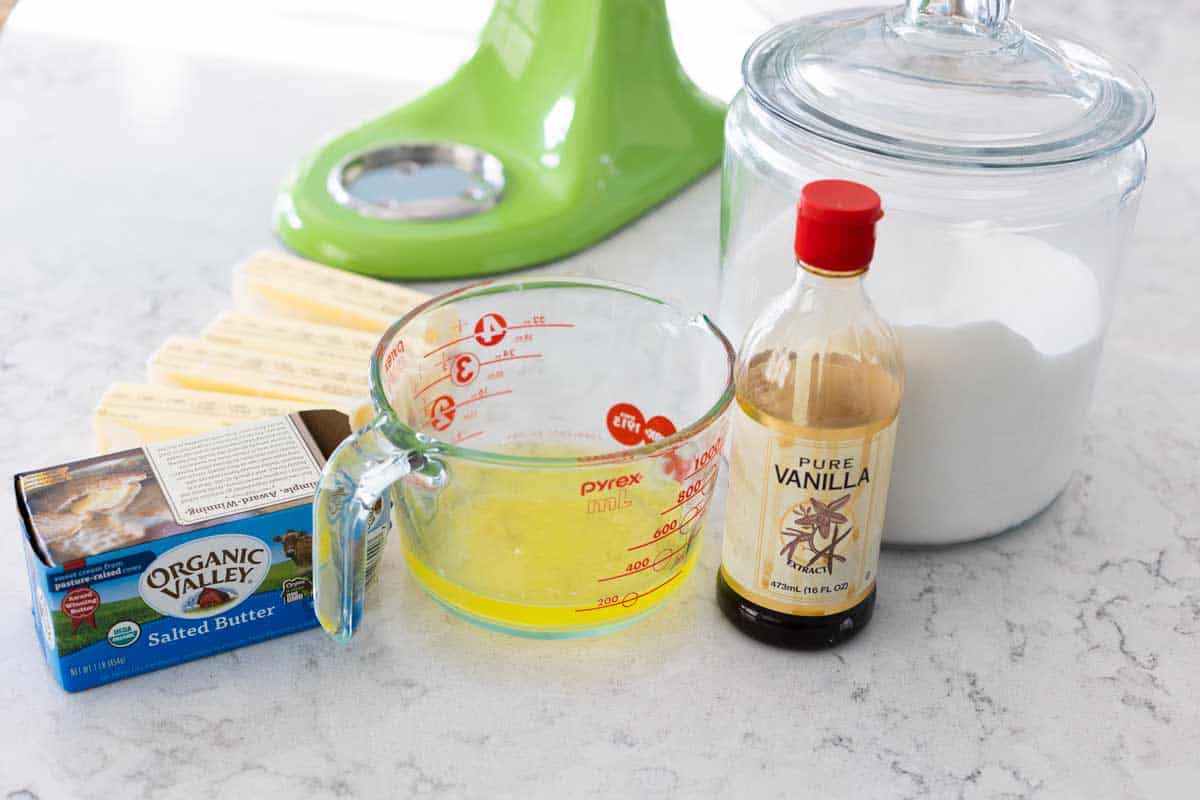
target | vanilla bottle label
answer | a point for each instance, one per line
(805, 514)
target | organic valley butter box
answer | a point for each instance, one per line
(146, 558)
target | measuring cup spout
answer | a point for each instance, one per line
(350, 520)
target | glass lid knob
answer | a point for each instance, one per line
(986, 15)
(956, 25)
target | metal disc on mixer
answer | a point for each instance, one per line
(416, 181)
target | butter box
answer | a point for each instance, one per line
(150, 557)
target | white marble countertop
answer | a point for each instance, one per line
(1061, 659)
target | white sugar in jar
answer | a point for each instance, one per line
(998, 379)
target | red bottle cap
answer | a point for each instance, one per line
(835, 226)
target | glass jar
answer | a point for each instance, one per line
(1010, 166)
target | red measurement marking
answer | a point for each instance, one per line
(441, 412)
(483, 396)
(481, 364)
(491, 329)
(697, 472)
(510, 358)
(699, 510)
(462, 439)
(464, 369)
(701, 493)
(650, 565)
(450, 343)
(541, 325)
(431, 385)
(461, 339)
(625, 603)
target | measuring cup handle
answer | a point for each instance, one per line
(351, 512)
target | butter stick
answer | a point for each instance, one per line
(209, 366)
(284, 285)
(342, 347)
(133, 414)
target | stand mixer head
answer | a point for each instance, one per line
(569, 121)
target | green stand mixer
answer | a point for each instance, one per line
(572, 118)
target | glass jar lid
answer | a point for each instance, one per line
(953, 82)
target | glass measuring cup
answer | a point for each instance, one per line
(549, 447)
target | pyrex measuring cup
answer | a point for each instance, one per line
(549, 447)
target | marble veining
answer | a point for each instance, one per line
(1058, 660)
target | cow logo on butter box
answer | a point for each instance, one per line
(205, 577)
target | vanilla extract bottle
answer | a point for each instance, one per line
(818, 385)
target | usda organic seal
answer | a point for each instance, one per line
(124, 633)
